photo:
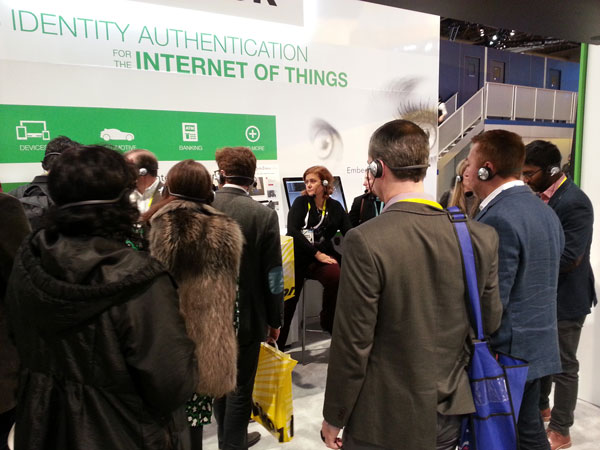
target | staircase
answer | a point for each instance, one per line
(456, 131)
(504, 101)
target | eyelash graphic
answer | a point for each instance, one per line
(423, 115)
(400, 91)
(326, 140)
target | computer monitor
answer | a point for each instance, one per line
(295, 185)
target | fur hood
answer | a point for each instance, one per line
(202, 248)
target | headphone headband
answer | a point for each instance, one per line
(376, 167)
(416, 166)
(46, 156)
(240, 176)
(192, 199)
(95, 202)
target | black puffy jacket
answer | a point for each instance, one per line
(105, 359)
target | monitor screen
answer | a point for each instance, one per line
(295, 185)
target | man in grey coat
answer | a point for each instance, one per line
(396, 376)
(531, 242)
(260, 289)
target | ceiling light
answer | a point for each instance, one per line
(512, 33)
(495, 37)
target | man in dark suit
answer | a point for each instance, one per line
(531, 242)
(576, 293)
(365, 206)
(396, 376)
(260, 289)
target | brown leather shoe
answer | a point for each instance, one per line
(557, 440)
(546, 414)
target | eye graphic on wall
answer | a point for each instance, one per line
(325, 139)
(423, 115)
(409, 105)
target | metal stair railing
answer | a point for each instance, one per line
(507, 101)
(454, 128)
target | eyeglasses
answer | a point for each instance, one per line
(530, 173)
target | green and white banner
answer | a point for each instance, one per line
(173, 135)
(300, 82)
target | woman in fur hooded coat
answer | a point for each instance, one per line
(201, 247)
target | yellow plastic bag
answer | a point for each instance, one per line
(272, 396)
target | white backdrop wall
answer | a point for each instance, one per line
(379, 63)
(589, 347)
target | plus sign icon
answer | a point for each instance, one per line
(252, 133)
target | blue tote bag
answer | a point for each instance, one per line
(497, 380)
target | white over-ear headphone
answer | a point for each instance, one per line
(554, 170)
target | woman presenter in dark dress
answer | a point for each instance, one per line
(313, 220)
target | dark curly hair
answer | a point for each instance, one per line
(237, 161)
(92, 172)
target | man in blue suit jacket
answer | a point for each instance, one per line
(576, 292)
(531, 242)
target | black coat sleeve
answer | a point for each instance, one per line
(272, 272)
(354, 213)
(577, 220)
(156, 347)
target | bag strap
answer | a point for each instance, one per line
(459, 221)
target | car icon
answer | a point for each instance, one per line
(112, 134)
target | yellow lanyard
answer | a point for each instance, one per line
(322, 215)
(424, 202)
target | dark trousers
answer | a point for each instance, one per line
(326, 274)
(532, 435)
(196, 437)
(7, 419)
(566, 383)
(232, 411)
(448, 432)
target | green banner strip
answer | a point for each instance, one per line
(7, 187)
(170, 135)
(580, 111)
